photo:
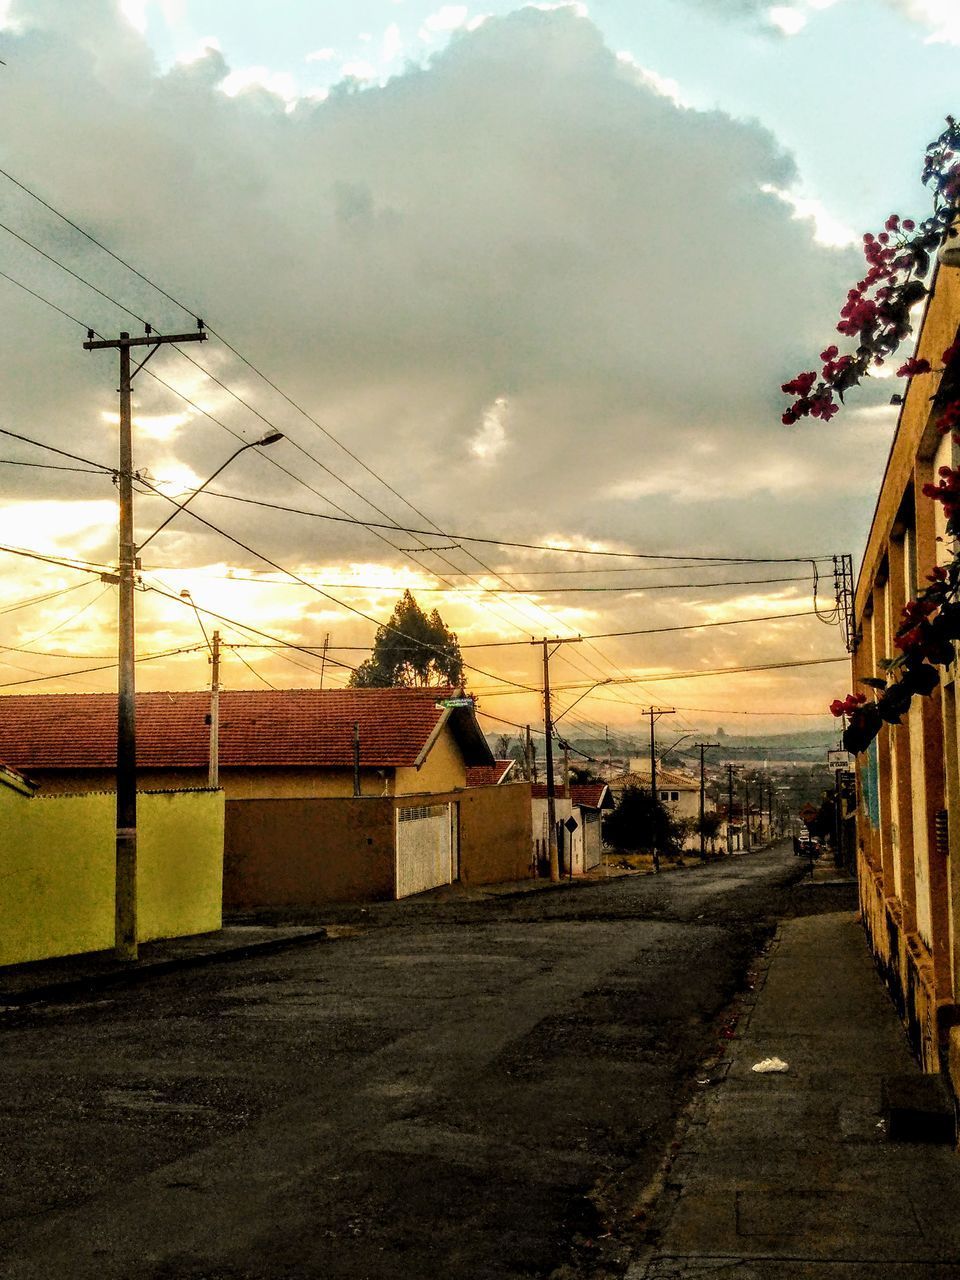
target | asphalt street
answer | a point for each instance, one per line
(445, 1088)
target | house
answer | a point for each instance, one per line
(486, 775)
(331, 795)
(581, 849)
(273, 742)
(58, 868)
(678, 792)
(908, 814)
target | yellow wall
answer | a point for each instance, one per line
(56, 875)
(907, 879)
(443, 769)
(180, 863)
(57, 863)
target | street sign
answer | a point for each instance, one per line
(839, 759)
(455, 702)
(571, 824)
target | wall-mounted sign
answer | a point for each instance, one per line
(455, 702)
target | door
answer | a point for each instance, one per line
(424, 848)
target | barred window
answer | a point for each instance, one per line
(421, 811)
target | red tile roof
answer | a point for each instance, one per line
(588, 795)
(489, 775)
(591, 795)
(258, 728)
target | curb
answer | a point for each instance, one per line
(69, 989)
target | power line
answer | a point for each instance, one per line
(83, 566)
(650, 631)
(494, 691)
(42, 599)
(109, 666)
(75, 275)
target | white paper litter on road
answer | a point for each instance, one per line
(768, 1065)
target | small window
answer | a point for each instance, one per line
(674, 795)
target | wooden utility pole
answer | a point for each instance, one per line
(548, 731)
(125, 908)
(213, 774)
(655, 713)
(704, 746)
(323, 657)
(729, 808)
(746, 815)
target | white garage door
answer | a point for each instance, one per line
(424, 848)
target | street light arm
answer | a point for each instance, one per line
(272, 438)
(558, 718)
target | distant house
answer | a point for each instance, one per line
(332, 795)
(486, 775)
(583, 803)
(679, 792)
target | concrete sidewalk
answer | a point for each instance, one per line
(70, 977)
(790, 1175)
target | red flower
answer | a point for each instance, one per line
(913, 366)
(951, 351)
(848, 705)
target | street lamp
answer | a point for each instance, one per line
(271, 438)
(126, 889)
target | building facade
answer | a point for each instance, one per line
(908, 808)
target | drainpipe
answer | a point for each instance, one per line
(356, 758)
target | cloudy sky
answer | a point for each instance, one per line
(525, 273)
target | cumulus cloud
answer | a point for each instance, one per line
(523, 248)
(939, 18)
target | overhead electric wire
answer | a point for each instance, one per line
(697, 562)
(142, 319)
(64, 622)
(192, 311)
(42, 599)
(84, 671)
(493, 691)
(49, 466)
(83, 567)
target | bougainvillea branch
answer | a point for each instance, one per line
(877, 311)
(877, 314)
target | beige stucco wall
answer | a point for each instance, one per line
(443, 769)
(57, 864)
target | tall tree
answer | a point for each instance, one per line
(641, 822)
(412, 650)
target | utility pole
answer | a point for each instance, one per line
(655, 713)
(729, 808)
(704, 746)
(323, 657)
(125, 908)
(548, 731)
(213, 776)
(746, 815)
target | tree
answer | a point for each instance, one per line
(583, 776)
(708, 826)
(412, 650)
(502, 746)
(641, 822)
